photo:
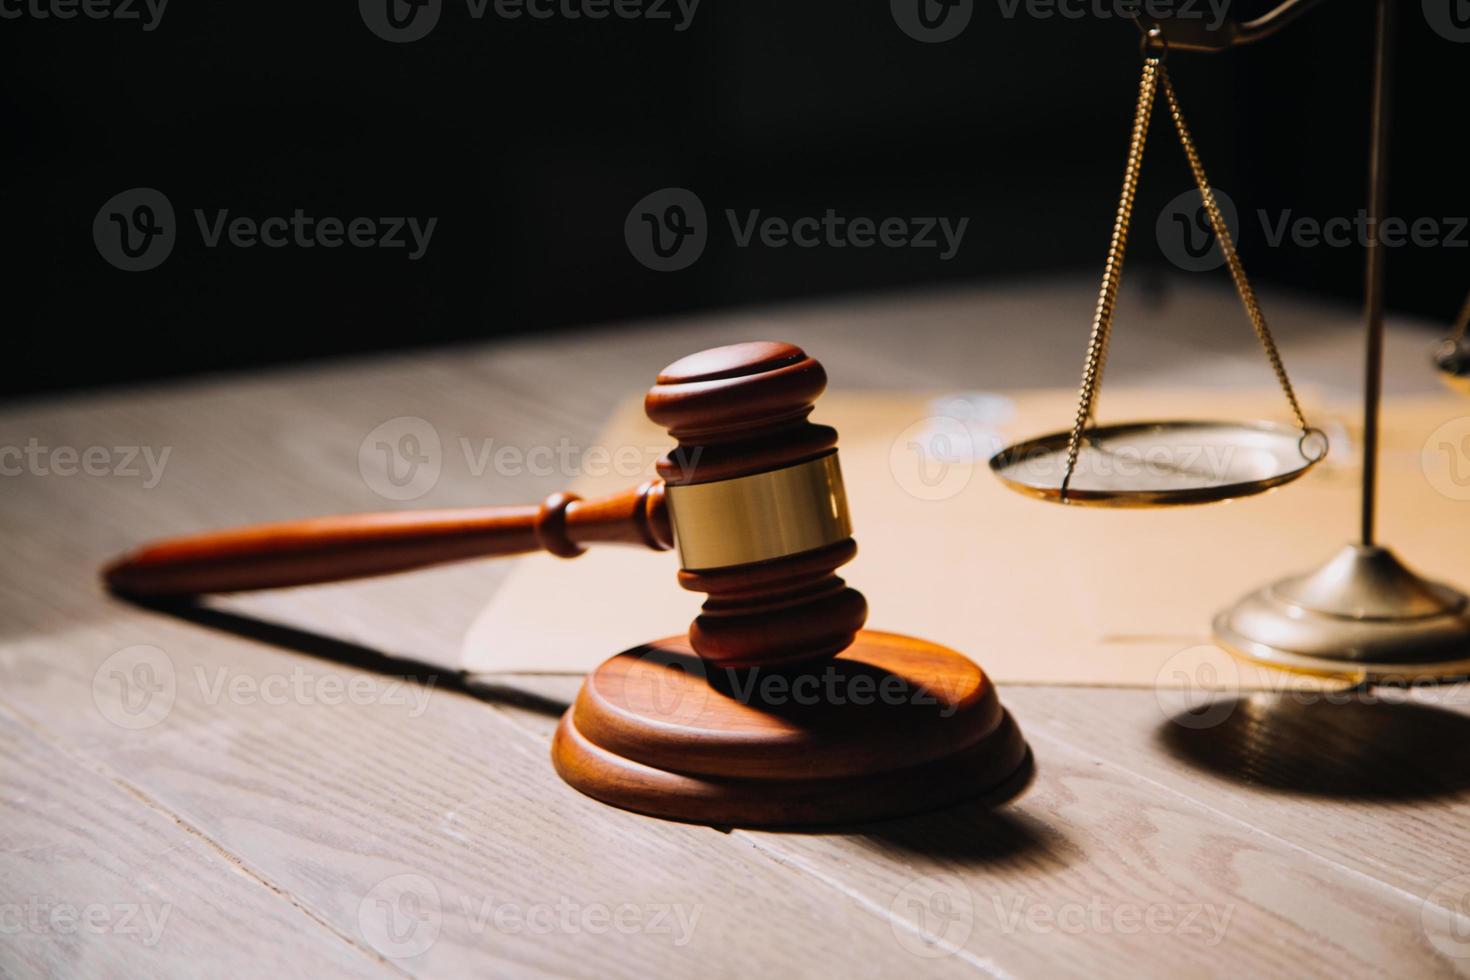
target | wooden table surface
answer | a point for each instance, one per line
(274, 785)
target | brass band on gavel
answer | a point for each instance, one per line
(759, 517)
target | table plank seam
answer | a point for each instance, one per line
(795, 865)
(101, 771)
(985, 966)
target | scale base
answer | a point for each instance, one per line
(1363, 614)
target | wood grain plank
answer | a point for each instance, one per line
(1094, 870)
(1099, 868)
(100, 882)
(334, 804)
(423, 825)
(328, 803)
(1375, 781)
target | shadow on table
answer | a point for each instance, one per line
(975, 834)
(1363, 744)
(974, 837)
(354, 655)
(970, 834)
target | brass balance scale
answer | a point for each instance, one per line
(1363, 614)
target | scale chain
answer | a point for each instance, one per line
(1232, 259)
(1102, 320)
(1102, 323)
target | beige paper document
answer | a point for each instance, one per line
(1034, 592)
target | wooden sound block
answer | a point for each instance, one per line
(892, 726)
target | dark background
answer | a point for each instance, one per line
(531, 140)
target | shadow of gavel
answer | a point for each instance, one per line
(751, 495)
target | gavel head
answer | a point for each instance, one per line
(755, 497)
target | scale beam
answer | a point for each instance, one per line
(1193, 35)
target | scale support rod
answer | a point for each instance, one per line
(1376, 256)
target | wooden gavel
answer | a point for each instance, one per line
(752, 497)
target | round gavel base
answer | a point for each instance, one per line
(892, 726)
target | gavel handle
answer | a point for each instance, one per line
(330, 549)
